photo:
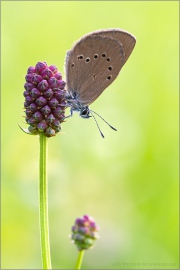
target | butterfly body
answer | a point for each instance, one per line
(76, 106)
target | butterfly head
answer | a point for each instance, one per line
(84, 112)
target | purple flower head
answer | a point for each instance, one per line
(84, 232)
(44, 99)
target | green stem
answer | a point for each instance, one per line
(79, 259)
(43, 204)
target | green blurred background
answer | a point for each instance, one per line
(128, 181)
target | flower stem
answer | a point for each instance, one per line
(43, 204)
(79, 259)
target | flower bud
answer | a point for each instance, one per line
(53, 82)
(53, 103)
(58, 112)
(58, 76)
(29, 100)
(36, 78)
(61, 84)
(29, 78)
(43, 85)
(35, 93)
(33, 107)
(50, 118)
(53, 69)
(38, 116)
(29, 86)
(32, 121)
(46, 74)
(26, 93)
(59, 95)
(84, 232)
(31, 70)
(42, 125)
(49, 93)
(49, 132)
(33, 130)
(41, 101)
(46, 110)
(40, 66)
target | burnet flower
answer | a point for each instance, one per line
(84, 232)
(44, 99)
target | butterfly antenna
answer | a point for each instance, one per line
(104, 120)
(97, 124)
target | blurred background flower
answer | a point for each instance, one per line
(129, 180)
(84, 232)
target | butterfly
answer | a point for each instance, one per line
(92, 65)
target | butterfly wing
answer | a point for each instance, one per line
(126, 39)
(94, 63)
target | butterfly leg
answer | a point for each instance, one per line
(71, 113)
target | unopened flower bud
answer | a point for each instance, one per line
(40, 66)
(31, 70)
(49, 93)
(43, 85)
(42, 125)
(58, 76)
(35, 93)
(46, 74)
(49, 132)
(84, 232)
(36, 78)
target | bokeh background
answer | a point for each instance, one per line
(128, 181)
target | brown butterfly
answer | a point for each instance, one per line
(92, 65)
